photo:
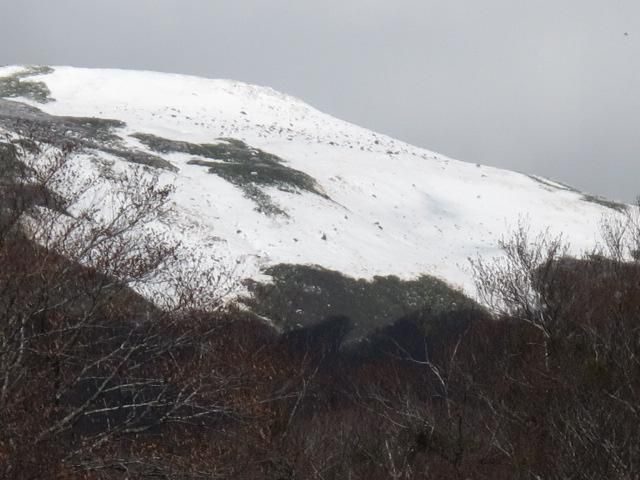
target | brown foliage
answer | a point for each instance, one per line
(97, 382)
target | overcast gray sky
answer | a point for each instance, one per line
(550, 87)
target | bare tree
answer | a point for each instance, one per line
(580, 395)
(86, 360)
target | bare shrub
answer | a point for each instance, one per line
(85, 361)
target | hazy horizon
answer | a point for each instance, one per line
(547, 89)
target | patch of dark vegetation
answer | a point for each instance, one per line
(617, 206)
(261, 174)
(87, 133)
(249, 169)
(10, 165)
(418, 336)
(412, 339)
(264, 203)
(33, 123)
(301, 296)
(16, 194)
(141, 158)
(100, 130)
(16, 85)
(551, 183)
(604, 202)
(321, 340)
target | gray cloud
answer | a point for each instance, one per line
(546, 87)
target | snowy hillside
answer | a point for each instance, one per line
(264, 179)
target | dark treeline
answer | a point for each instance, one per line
(98, 383)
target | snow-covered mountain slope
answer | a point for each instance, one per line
(263, 178)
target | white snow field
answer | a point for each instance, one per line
(392, 208)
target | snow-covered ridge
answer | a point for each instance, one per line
(387, 207)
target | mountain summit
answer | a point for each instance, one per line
(263, 179)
